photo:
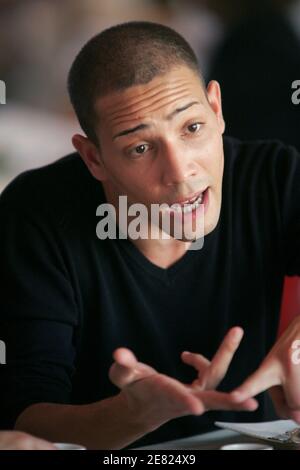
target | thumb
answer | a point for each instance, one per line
(122, 372)
(125, 357)
(281, 406)
(262, 379)
(126, 369)
(278, 398)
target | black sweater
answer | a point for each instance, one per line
(69, 299)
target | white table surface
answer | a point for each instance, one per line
(211, 440)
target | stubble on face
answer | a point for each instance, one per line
(144, 181)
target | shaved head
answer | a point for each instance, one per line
(120, 57)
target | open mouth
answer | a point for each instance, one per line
(189, 205)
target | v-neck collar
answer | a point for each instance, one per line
(167, 275)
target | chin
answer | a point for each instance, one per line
(210, 225)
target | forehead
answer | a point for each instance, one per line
(158, 96)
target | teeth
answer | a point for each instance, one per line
(186, 208)
(190, 201)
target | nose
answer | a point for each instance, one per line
(178, 165)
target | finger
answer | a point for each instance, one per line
(295, 416)
(262, 379)
(43, 445)
(174, 395)
(279, 402)
(122, 372)
(20, 440)
(120, 375)
(223, 357)
(281, 406)
(125, 357)
(292, 395)
(291, 386)
(127, 369)
(199, 362)
(213, 400)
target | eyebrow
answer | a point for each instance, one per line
(146, 126)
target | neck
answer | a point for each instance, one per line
(162, 253)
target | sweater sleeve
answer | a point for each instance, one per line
(38, 314)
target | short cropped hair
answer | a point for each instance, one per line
(122, 56)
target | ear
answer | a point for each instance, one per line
(91, 156)
(215, 101)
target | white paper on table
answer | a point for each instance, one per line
(285, 431)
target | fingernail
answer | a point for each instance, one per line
(238, 333)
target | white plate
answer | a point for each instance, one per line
(281, 432)
(67, 446)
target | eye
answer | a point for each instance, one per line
(139, 149)
(195, 127)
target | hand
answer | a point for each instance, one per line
(211, 373)
(156, 398)
(280, 374)
(15, 440)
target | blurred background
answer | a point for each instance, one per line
(251, 47)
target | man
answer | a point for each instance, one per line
(14, 440)
(71, 300)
